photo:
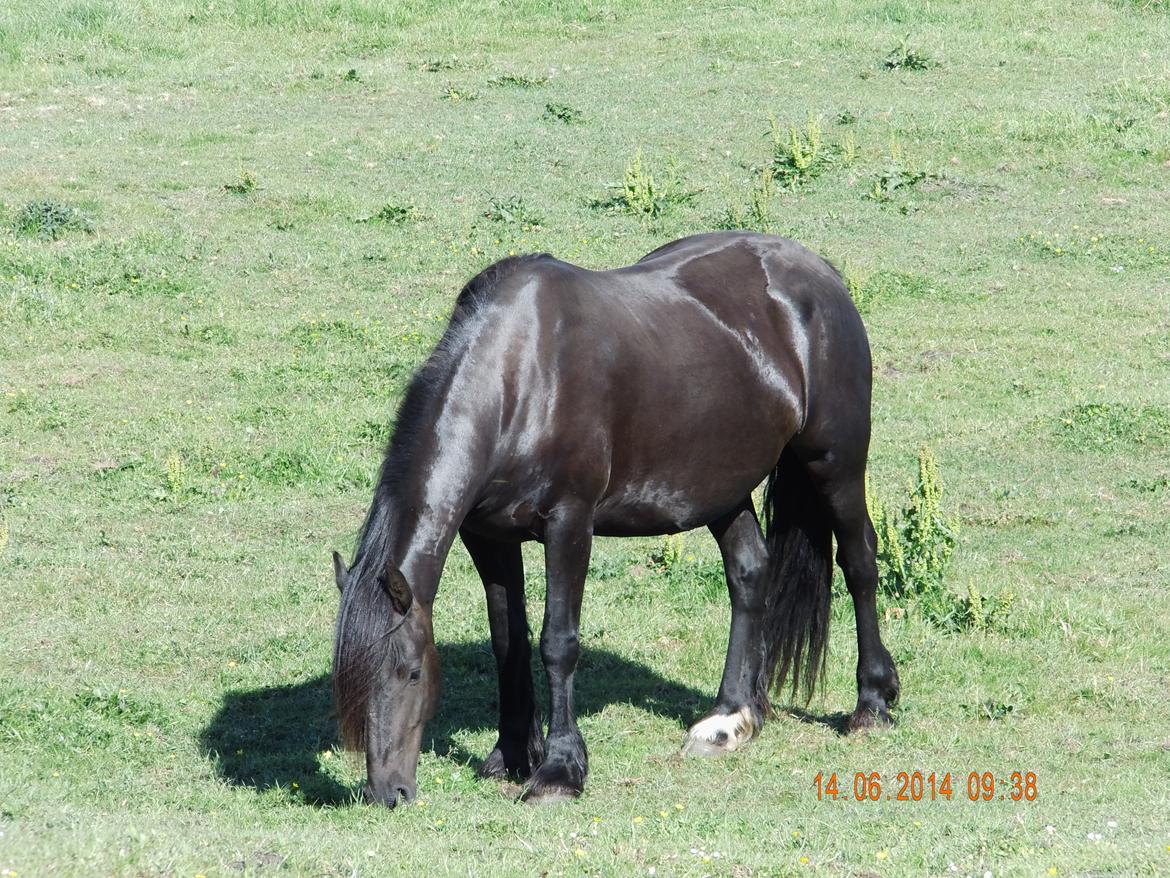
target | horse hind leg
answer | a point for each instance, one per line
(842, 486)
(738, 716)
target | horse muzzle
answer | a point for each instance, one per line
(390, 794)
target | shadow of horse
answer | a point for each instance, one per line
(264, 738)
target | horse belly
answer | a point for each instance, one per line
(692, 478)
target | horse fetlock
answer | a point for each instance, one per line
(879, 682)
(514, 757)
(505, 762)
(722, 732)
(494, 766)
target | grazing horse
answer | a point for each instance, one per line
(563, 403)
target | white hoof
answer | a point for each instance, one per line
(720, 733)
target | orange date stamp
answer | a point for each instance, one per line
(920, 786)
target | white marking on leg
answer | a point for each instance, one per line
(721, 733)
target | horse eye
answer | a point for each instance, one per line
(415, 674)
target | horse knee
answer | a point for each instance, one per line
(560, 651)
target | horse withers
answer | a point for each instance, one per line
(563, 403)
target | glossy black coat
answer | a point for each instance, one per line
(563, 403)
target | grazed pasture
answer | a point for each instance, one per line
(230, 230)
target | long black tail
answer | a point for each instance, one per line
(800, 578)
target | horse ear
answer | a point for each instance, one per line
(340, 571)
(399, 590)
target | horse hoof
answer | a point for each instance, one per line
(866, 718)
(721, 733)
(553, 783)
(548, 795)
(493, 767)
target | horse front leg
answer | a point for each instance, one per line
(739, 709)
(567, 544)
(520, 745)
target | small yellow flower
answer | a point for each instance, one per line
(295, 785)
(596, 819)
(796, 833)
(440, 822)
(439, 780)
(578, 852)
(678, 806)
(639, 819)
(662, 814)
(706, 858)
(881, 855)
(1052, 869)
(328, 754)
(804, 860)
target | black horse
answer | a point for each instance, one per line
(561, 403)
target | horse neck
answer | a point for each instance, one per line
(424, 493)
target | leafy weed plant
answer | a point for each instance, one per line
(394, 214)
(800, 153)
(643, 196)
(48, 220)
(757, 214)
(516, 80)
(513, 210)
(563, 113)
(914, 547)
(905, 57)
(797, 156)
(457, 94)
(245, 185)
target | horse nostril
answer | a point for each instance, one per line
(392, 796)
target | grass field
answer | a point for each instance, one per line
(230, 230)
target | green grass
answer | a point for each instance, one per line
(194, 391)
